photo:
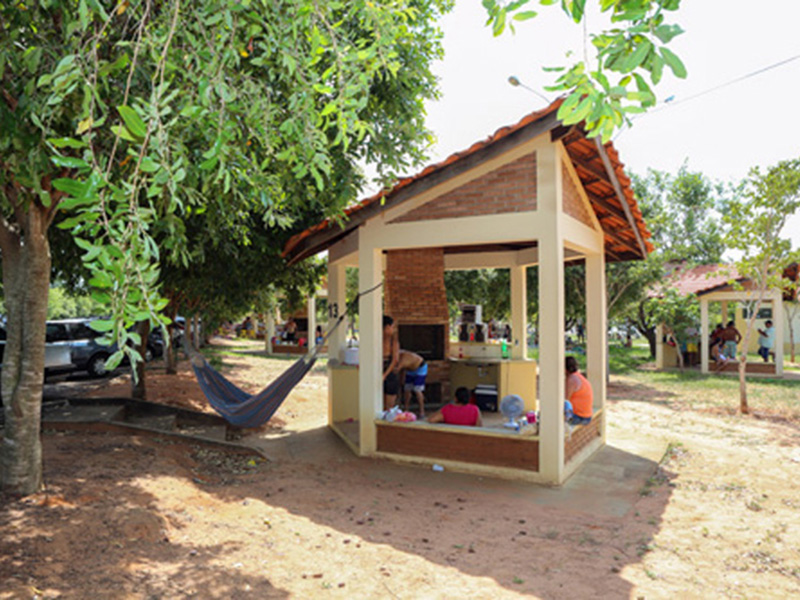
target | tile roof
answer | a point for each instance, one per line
(698, 280)
(622, 242)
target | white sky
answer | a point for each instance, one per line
(723, 134)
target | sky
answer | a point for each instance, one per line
(721, 134)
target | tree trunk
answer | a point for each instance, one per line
(26, 281)
(671, 335)
(650, 334)
(646, 330)
(139, 382)
(743, 407)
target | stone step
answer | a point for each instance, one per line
(82, 414)
(208, 432)
(160, 422)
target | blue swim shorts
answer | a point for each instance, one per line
(415, 380)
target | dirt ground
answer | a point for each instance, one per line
(144, 517)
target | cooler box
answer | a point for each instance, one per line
(486, 397)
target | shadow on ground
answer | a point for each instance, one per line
(96, 534)
(387, 520)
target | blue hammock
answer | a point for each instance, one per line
(237, 406)
(242, 409)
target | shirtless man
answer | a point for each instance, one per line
(731, 338)
(391, 358)
(415, 369)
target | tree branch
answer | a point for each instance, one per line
(10, 100)
(12, 194)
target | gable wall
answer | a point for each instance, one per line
(511, 188)
(573, 203)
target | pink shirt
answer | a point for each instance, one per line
(460, 414)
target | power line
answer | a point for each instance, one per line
(728, 83)
(670, 103)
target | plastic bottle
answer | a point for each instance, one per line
(504, 349)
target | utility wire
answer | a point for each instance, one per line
(670, 103)
(727, 83)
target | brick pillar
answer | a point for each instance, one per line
(414, 293)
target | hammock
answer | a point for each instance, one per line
(242, 409)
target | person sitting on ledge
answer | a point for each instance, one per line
(579, 393)
(458, 412)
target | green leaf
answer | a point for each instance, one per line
(133, 122)
(656, 69)
(117, 65)
(525, 15)
(70, 162)
(209, 164)
(675, 63)
(101, 280)
(83, 14)
(148, 165)
(70, 186)
(123, 133)
(665, 33)
(66, 142)
(92, 253)
(115, 359)
(637, 57)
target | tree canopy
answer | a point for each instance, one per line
(756, 222)
(128, 118)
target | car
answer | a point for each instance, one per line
(85, 352)
(57, 356)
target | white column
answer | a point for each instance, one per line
(370, 352)
(596, 331)
(704, 334)
(778, 324)
(337, 305)
(551, 316)
(270, 333)
(724, 305)
(312, 320)
(519, 313)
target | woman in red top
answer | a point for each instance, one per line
(579, 393)
(460, 412)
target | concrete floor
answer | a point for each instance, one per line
(609, 483)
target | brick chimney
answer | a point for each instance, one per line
(414, 294)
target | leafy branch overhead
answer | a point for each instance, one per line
(630, 58)
(141, 113)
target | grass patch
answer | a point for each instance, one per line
(621, 360)
(777, 398)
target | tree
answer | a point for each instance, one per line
(678, 314)
(682, 214)
(755, 222)
(128, 119)
(628, 54)
(681, 211)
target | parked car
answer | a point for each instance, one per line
(57, 356)
(85, 352)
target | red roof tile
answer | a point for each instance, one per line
(353, 212)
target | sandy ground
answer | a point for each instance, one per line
(136, 517)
